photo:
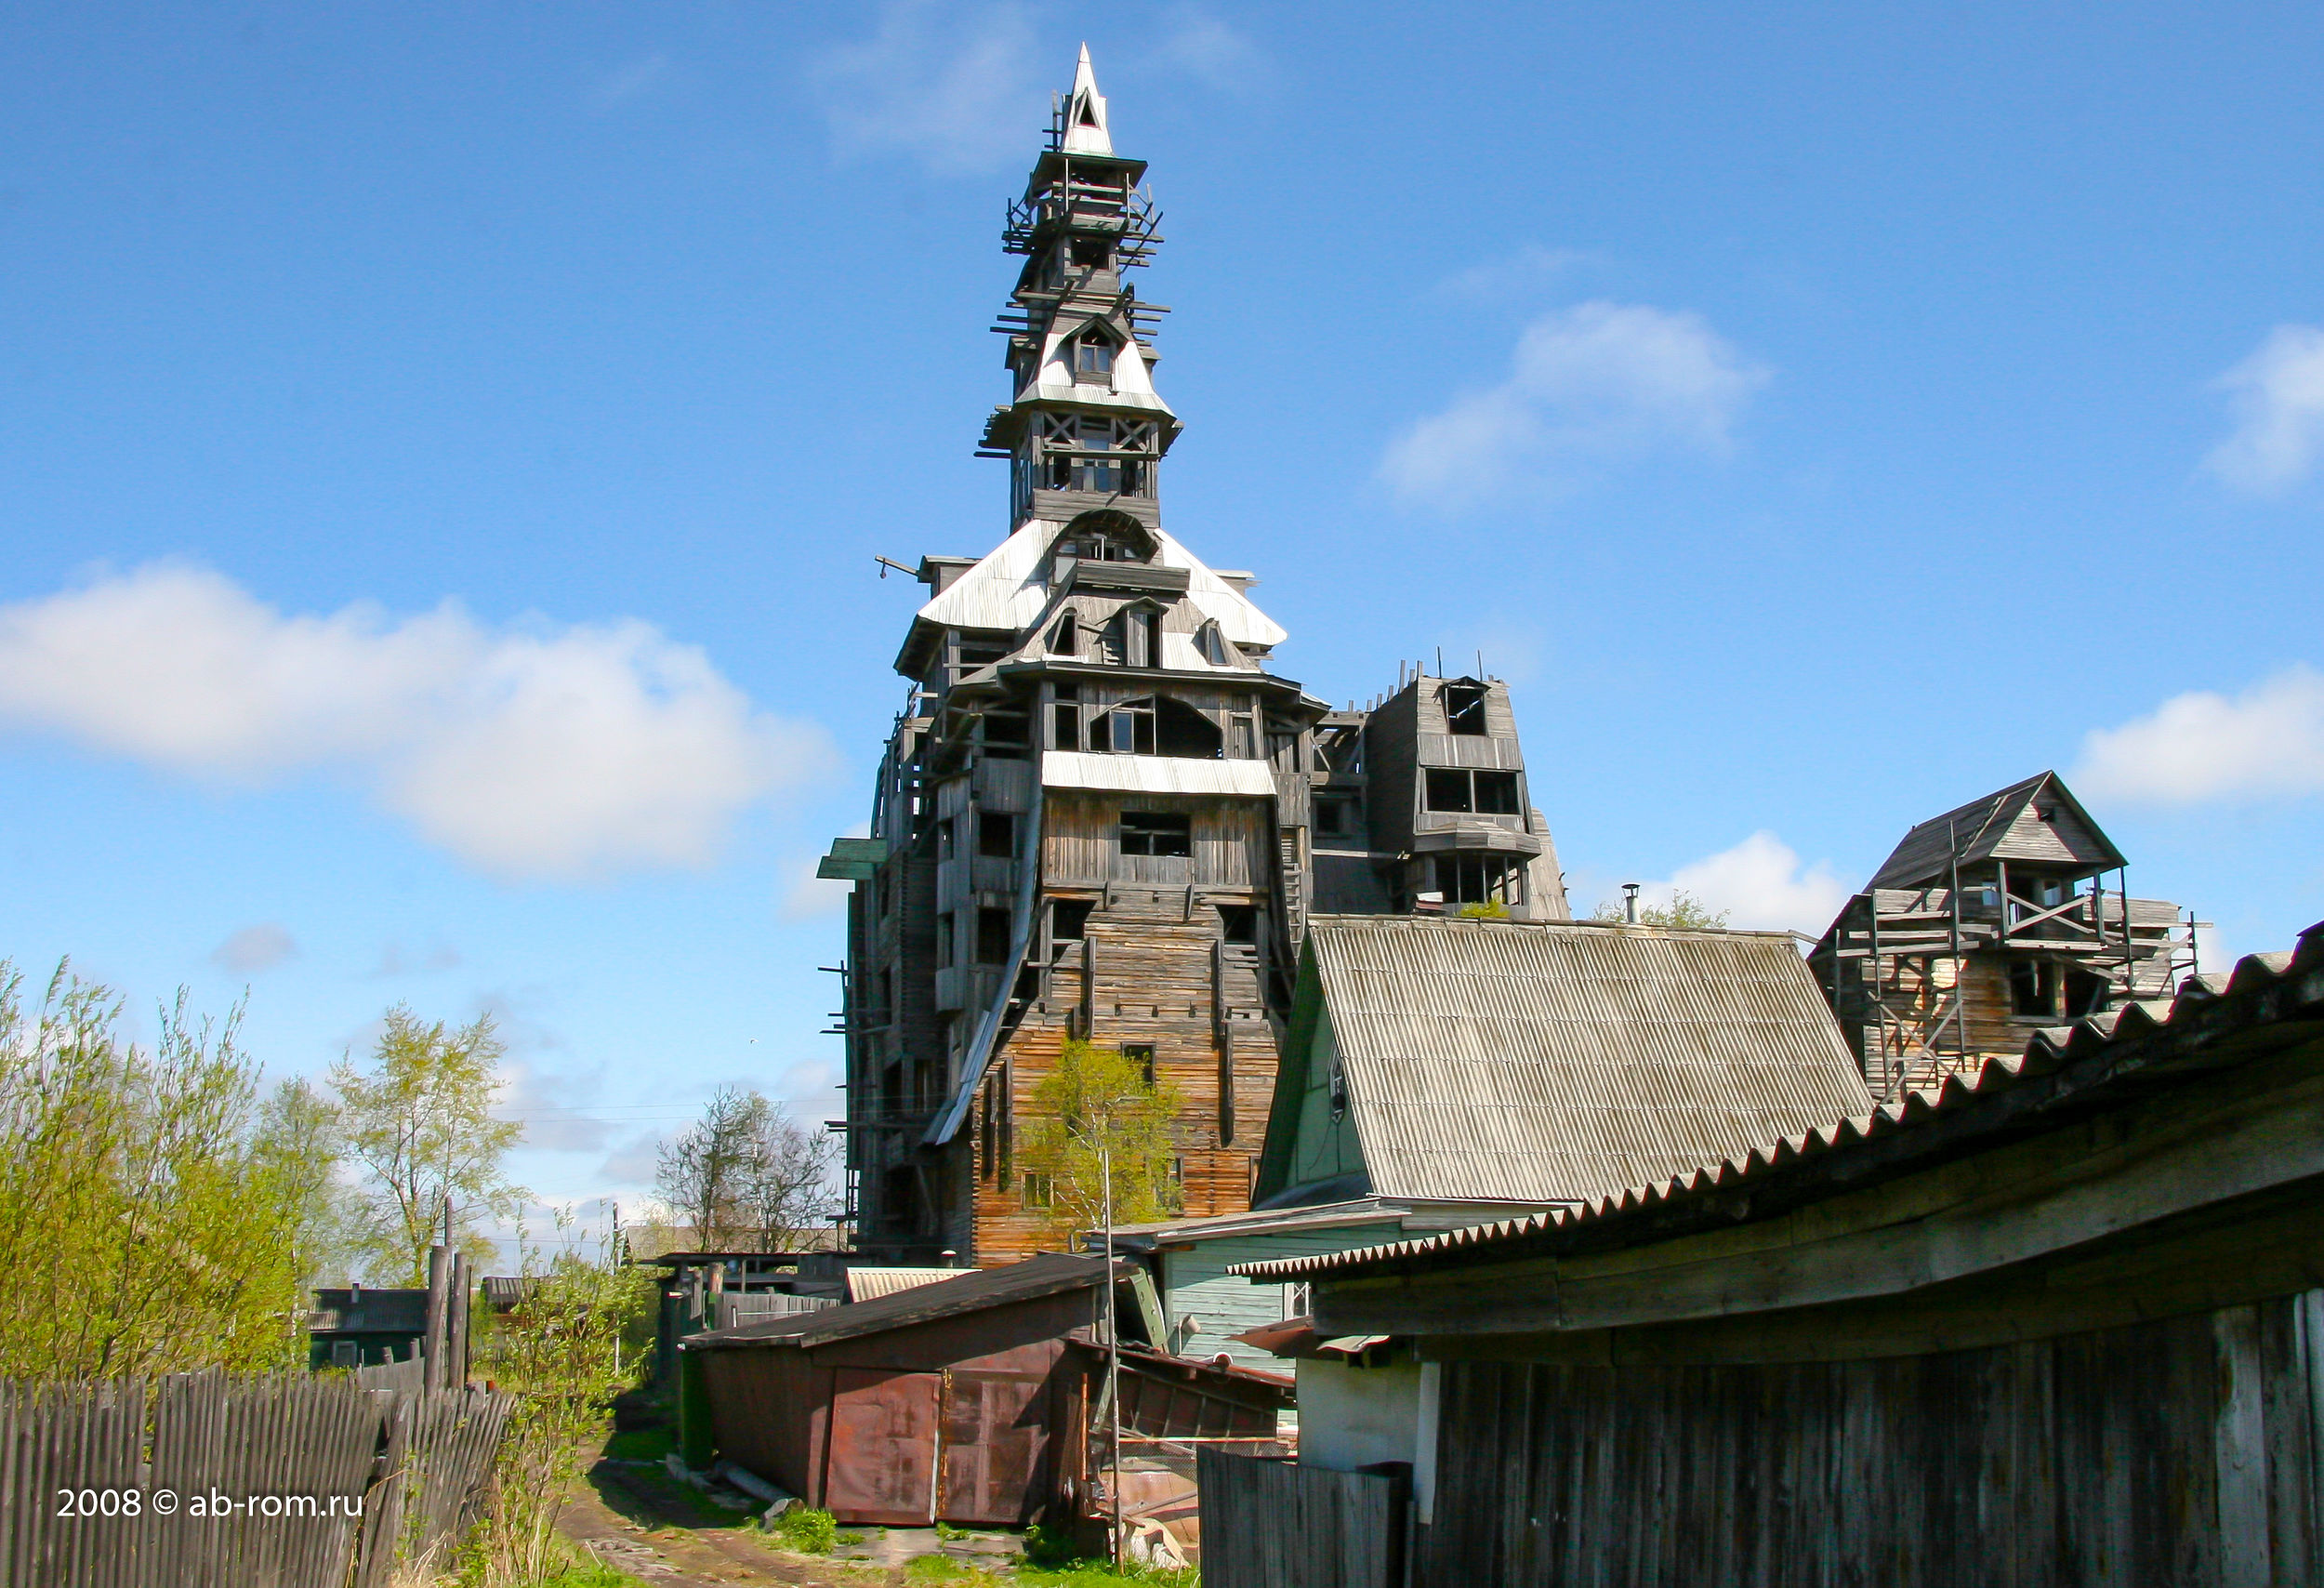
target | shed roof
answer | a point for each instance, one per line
(2009, 823)
(1548, 1060)
(974, 1291)
(863, 1284)
(2268, 1000)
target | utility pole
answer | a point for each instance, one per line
(1113, 1355)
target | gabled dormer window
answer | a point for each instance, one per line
(1093, 357)
(1212, 644)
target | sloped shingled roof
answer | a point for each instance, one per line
(2273, 999)
(975, 1291)
(1539, 1062)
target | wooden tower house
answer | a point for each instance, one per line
(1985, 925)
(1096, 815)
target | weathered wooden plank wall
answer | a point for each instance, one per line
(306, 1441)
(2181, 1452)
(1275, 1524)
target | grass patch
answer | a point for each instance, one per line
(1101, 1574)
(810, 1532)
(939, 1568)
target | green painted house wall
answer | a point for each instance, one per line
(1196, 1284)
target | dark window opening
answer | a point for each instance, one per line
(2033, 987)
(1464, 708)
(1092, 253)
(1245, 736)
(1038, 1191)
(1069, 920)
(1479, 879)
(992, 936)
(1335, 818)
(1449, 791)
(1141, 1054)
(943, 840)
(1226, 1089)
(996, 835)
(1157, 832)
(1180, 730)
(1239, 924)
(2087, 993)
(1066, 722)
(1003, 735)
(1339, 749)
(1497, 793)
(1065, 639)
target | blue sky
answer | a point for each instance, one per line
(442, 450)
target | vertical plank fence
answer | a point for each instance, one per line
(1270, 1523)
(212, 1480)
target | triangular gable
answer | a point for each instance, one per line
(1987, 829)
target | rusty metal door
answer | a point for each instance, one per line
(995, 1431)
(881, 1466)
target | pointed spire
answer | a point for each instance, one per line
(1084, 114)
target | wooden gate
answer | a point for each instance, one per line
(881, 1464)
(1269, 1523)
(995, 1436)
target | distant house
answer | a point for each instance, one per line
(361, 1325)
(1447, 1073)
(2056, 1322)
(973, 1399)
(1985, 925)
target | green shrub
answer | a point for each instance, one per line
(810, 1532)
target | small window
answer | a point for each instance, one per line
(992, 937)
(1129, 729)
(943, 840)
(1212, 644)
(1092, 253)
(1497, 793)
(1065, 725)
(1335, 817)
(1156, 832)
(1040, 1191)
(1065, 639)
(1479, 879)
(1239, 924)
(1134, 644)
(1464, 708)
(346, 1354)
(1449, 791)
(2033, 988)
(1069, 920)
(996, 835)
(1141, 1054)
(1298, 1301)
(1093, 355)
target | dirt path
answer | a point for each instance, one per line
(641, 1523)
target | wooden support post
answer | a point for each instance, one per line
(456, 1330)
(439, 1293)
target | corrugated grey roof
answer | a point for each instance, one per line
(1980, 829)
(2283, 991)
(1539, 1062)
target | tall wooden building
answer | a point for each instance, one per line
(1986, 924)
(1098, 815)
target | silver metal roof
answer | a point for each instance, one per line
(1540, 1062)
(2210, 1012)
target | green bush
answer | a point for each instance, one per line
(810, 1532)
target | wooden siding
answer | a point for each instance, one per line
(1159, 978)
(1196, 1284)
(1081, 841)
(2181, 1452)
(1276, 1524)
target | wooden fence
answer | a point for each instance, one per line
(1270, 1523)
(208, 1481)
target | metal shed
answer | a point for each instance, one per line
(970, 1401)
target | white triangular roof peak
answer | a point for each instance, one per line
(1008, 588)
(1086, 131)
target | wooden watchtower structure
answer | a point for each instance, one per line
(1985, 925)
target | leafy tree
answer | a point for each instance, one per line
(1686, 912)
(145, 1226)
(1098, 1105)
(419, 1119)
(298, 1140)
(746, 1173)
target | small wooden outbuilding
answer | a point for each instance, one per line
(970, 1400)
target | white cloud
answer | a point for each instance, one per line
(2268, 740)
(255, 948)
(810, 897)
(1593, 384)
(554, 1106)
(533, 753)
(1760, 884)
(2277, 397)
(1206, 48)
(1528, 270)
(956, 88)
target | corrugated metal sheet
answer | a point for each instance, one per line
(1527, 1062)
(2273, 987)
(1155, 774)
(964, 1291)
(863, 1284)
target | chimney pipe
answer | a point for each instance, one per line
(1629, 902)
